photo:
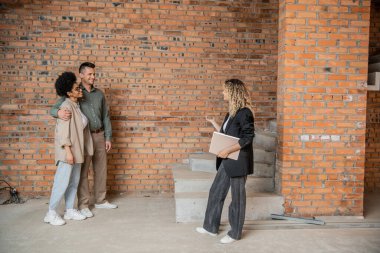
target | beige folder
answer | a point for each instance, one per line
(221, 141)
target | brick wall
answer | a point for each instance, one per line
(161, 64)
(323, 54)
(372, 165)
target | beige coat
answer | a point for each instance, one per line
(71, 133)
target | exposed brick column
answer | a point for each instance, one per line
(323, 53)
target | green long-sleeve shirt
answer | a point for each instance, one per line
(94, 107)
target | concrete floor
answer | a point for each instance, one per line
(147, 224)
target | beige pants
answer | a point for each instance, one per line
(99, 164)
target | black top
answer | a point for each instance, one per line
(241, 126)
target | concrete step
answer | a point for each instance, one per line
(186, 180)
(262, 156)
(264, 170)
(265, 140)
(206, 161)
(191, 207)
(203, 162)
(273, 126)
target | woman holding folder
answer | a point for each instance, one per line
(238, 123)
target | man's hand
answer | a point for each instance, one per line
(108, 146)
(64, 114)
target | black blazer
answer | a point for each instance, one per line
(241, 126)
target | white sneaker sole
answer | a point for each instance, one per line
(87, 216)
(228, 240)
(53, 224)
(204, 231)
(105, 207)
(71, 218)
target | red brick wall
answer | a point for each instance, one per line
(161, 64)
(323, 54)
(372, 165)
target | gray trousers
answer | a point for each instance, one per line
(217, 195)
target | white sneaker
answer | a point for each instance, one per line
(227, 239)
(73, 214)
(86, 212)
(53, 218)
(201, 230)
(106, 205)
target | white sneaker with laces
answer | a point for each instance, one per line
(227, 239)
(86, 212)
(73, 214)
(106, 205)
(201, 230)
(53, 218)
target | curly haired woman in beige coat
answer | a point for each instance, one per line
(72, 142)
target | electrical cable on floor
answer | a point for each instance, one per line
(14, 197)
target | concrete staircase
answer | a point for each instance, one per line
(193, 182)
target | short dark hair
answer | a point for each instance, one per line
(86, 65)
(65, 83)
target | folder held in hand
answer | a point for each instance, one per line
(221, 141)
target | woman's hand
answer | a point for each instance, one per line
(69, 155)
(70, 159)
(224, 153)
(212, 121)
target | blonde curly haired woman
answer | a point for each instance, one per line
(239, 123)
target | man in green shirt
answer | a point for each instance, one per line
(94, 107)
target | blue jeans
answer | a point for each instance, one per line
(217, 195)
(66, 181)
